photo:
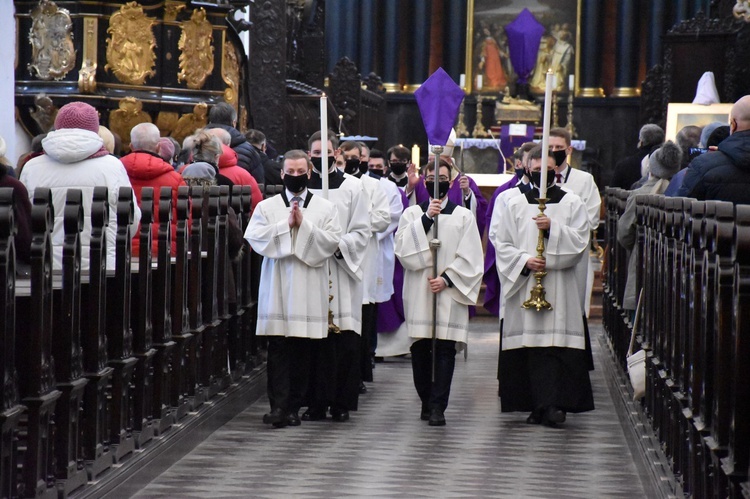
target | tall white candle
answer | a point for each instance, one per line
(572, 82)
(479, 82)
(462, 81)
(545, 131)
(324, 143)
(415, 155)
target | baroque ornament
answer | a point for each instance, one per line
(190, 122)
(131, 44)
(122, 120)
(53, 54)
(230, 71)
(197, 52)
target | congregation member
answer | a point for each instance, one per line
(457, 283)
(543, 360)
(223, 115)
(229, 167)
(21, 208)
(628, 170)
(75, 158)
(336, 362)
(146, 168)
(271, 169)
(297, 232)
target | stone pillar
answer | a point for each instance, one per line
(590, 77)
(626, 52)
(656, 16)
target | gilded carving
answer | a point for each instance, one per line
(190, 122)
(53, 54)
(122, 120)
(44, 112)
(166, 121)
(230, 71)
(197, 51)
(87, 73)
(131, 44)
(172, 9)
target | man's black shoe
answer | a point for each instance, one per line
(553, 416)
(339, 415)
(293, 419)
(362, 387)
(425, 414)
(535, 417)
(276, 417)
(436, 417)
(314, 414)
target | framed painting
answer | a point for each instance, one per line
(680, 115)
(488, 62)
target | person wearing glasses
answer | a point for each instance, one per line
(459, 276)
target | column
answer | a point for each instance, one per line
(419, 56)
(679, 11)
(454, 55)
(626, 52)
(390, 45)
(333, 33)
(8, 86)
(367, 37)
(349, 30)
(592, 18)
(656, 16)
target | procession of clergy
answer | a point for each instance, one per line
(363, 257)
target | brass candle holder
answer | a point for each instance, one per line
(461, 130)
(537, 299)
(479, 130)
(569, 126)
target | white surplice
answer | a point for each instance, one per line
(386, 258)
(293, 297)
(379, 221)
(346, 270)
(459, 257)
(515, 240)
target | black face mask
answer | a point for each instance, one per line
(316, 163)
(520, 172)
(295, 183)
(399, 168)
(351, 166)
(377, 173)
(442, 188)
(559, 156)
(536, 178)
(362, 167)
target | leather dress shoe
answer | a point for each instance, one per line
(276, 417)
(312, 414)
(425, 414)
(553, 415)
(362, 387)
(339, 415)
(535, 417)
(292, 419)
(436, 417)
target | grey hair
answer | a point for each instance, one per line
(224, 136)
(651, 135)
(144, 137)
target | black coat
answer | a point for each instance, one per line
(247, 156)
(722, 175)
(628, 170)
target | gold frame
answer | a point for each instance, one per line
(683, 114)
(469, 61)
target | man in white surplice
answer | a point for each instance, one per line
(296, 232)
(336, 364)
(460, 267)
(543, 367)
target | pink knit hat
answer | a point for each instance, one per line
(77, 115)
(166, 149)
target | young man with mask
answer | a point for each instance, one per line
(459, 264)
(380, 221)
(543, 362)
(399, 161)
(336, 362)
(297, 233)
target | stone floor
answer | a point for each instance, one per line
(386, 451)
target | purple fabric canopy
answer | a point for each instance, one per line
(439, 99)
(524, 34)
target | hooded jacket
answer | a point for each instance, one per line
(247, 157)
(146, 169)
(67, 163)
(239, 176)
(722, 175)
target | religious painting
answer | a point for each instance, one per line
(681, 115)
(510, 45)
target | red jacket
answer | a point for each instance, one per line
(149, 170)
(238, 175)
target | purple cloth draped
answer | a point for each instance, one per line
(524, 35)
(438, 99)
(391, 312)
(456, 196)
(491, 280)
(509, 143)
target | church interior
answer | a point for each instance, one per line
(147, 379)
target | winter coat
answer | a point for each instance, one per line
(239, 176)
(247, 156)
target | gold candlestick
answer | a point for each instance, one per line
(555, 121)
(479, 130)
(571, 129)
(461, 130)
(537, 299)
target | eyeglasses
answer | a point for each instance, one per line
(441, 178)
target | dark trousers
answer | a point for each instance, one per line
(348, 376)
(369, 331)
(287, 371)
(433, 395)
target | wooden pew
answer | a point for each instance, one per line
(235, 339)
(36, 375)
(95, 439)
(10, 409)
(69, 470)
(162, 411)
(196, 357)
(209, 283)
(251, 264)
(181, 335)
(120, 335)
(221, 354)
(141, 319)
